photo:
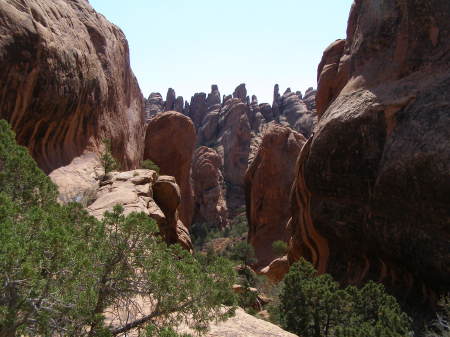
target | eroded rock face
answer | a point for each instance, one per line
(243, 325)
(209, 192)
(372, 191)
(143, 191)
(66, 83)
(154, 104)
(168, 197)
(267, 187)
(295, 113)
(169, 143)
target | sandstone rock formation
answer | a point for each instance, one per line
(372, 189)
(209, 191)
(244, 325)
(276, 270)
(143, 191)
(234, 148)
(234, 128)
(169, 142)
(168, 197)
(267, 186)
(153, 105)
(66, 85)
(294, 112)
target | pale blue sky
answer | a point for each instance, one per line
(190, 44)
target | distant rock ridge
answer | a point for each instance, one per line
(232, 127)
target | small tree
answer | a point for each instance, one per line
(279, 248)
(150, 165)
(62, 270)
(313, 305)
(242, 252)
(108, 162)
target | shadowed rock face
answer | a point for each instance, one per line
(267, 186)
(66, 82)
(372, 193)
(209, 192)
(166, 194)
(169, 143)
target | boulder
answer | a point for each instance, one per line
(143, 191)
(169, 143)
(167, 196)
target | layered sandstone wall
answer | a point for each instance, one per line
(372, 190)
(66, 85)
(268, 183)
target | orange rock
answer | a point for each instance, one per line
(372, 190)
(66, 84)
(267, 187)
(169, 143)
(210, 205)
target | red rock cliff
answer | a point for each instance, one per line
(65, 86)
(267, 187)
(372, 193)
(66, 83)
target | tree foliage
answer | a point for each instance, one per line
(313, 305)
(150, 165)
(279, 248)
(108, 162)
(65, 273)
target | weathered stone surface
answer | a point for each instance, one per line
(143, 191)
(213, 97)
(267, 185)
(198, 109)
(295, 113)
(179, 103)
(169, 104)
(310, 99)
(209, 193)
(276, 270)
(276, 102)
(154, 104)
(372, 190)
(169, 143)
(244, 325)
(332, 75)
(234, 147)
(130, 189)
(234, 138)
(240, 92)
(167, 196)
(78, 180)
(66, 83)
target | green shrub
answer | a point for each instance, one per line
(107, 160)
(242, 252)
(60, 268)
(313, 305)
(20, 178)
(279, 248)
(150, 165)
